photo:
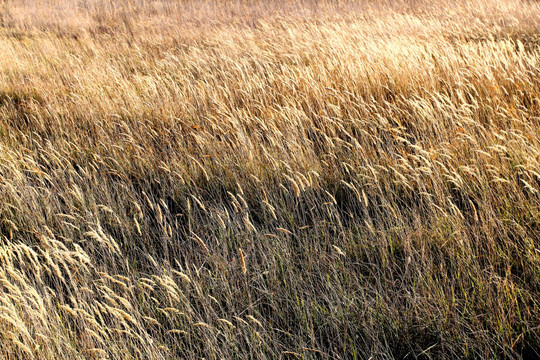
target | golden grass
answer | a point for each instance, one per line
(265, 179)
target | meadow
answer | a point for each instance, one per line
(257, 179)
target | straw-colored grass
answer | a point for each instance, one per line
(269, 179)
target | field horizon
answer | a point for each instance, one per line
(256, 179)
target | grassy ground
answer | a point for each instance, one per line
(269, 179)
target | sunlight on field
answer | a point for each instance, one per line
(228, 179)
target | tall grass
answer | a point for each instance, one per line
(269, 179)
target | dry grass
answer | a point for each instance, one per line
(269, 179)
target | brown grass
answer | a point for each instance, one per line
(269, 179)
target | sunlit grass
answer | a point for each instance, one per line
(261, 179)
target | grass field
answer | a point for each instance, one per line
(258, 179)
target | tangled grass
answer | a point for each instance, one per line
(269, 179)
